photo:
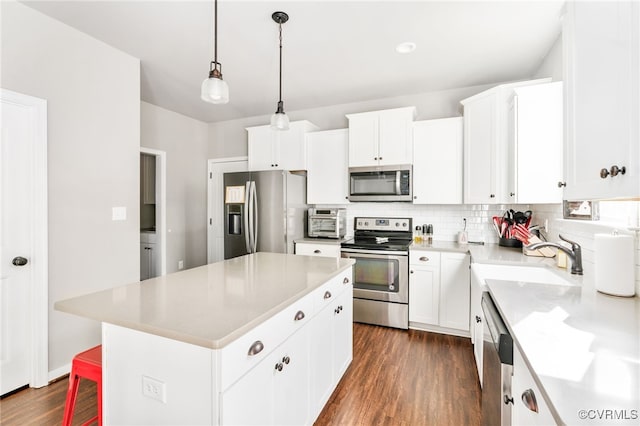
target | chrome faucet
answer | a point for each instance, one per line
(574, 253)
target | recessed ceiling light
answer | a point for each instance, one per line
(406, 47)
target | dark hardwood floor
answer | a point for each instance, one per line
(396, 378)
(45, 406)
(406, 378)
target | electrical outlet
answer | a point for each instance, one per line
(180, 264)
(154, 389)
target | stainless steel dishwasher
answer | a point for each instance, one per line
(497, 367)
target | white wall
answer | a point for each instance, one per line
(93, 94)
(185, 142)
(551, 65)
(229, 138)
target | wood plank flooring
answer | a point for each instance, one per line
(406, 378)
(396, 378)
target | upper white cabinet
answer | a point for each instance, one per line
(379, 138)
(535, 144)
(486, 135)
(437, 161)
(270, 149)
(327, 167)
(602, 90)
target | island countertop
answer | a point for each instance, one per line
(210, 305)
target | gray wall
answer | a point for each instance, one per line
(93, 95)
(185, 142)
(229, 138)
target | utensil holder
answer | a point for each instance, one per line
(510, 242)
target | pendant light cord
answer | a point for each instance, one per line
(215, 33)
(280, 34)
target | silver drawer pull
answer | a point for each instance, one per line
(256, 348)
(345, 281)
(299, 316)
(327, 294)
(529, 400)
(424, 259)
(316, 251)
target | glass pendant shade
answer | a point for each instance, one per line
(215, 90)
(280, 121)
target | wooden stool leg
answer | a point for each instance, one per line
(72, 393)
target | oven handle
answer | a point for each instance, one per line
(376, 253)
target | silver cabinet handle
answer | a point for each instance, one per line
(256, 348)
(279, 366)
(299, 316)
(345, 281)
(286, 359)
(327, 294)
(316, 251)
(529, 400)
(424, 259)
(21, 261)
(478, 319)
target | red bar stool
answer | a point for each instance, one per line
(88, 365)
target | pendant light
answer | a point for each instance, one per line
(279, 120)
(214, 88)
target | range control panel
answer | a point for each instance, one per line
(382, 224)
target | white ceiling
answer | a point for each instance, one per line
(333, 51)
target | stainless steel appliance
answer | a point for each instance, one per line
(327, 223)
(263, 211)
(380, 247)
(381, 183)
(497, 367)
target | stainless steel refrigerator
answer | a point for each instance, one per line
(263, 211)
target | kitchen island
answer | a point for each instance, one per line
(225, 343)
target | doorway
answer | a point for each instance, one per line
(215, 203)
(153, 213)
(23, 236)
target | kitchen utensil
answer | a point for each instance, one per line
(496, 224)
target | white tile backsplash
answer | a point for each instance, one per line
(447, 221)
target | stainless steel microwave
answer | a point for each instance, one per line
(381, 183)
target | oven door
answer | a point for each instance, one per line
(379, 275)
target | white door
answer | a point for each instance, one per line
(215, 227)
(22, 243)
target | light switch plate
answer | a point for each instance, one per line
(118, 213)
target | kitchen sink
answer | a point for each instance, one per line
(531, 274)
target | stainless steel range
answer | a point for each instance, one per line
(380, 247)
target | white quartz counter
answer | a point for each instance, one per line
(581, 346)
(211, 305)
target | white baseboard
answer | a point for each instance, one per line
(59, 372)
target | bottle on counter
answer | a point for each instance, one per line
(417, 235)
(427, 231)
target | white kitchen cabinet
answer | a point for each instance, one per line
(148, 178)
(318, 249)
(476, 319)
(439, 291)
(424, 288)
(601, 72)
(149, 256)
(529, 406)
(328, 167)
(437, 161)
(535, 144)
(270, 149)
(454, 291)
(379, 138)
(486, 131)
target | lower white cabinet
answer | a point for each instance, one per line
(149, 262)
(476, 318)
(276, 391)
(529, 407)
(439, 291)
(318, 249)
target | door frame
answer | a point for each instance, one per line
(161, 201)
(211, 164)
(38, 304)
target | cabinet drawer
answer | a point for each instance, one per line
(325, 250)
(270, 334)
(326, 294)
(422, 258)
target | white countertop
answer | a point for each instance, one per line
(211, 305)
(581, 346)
